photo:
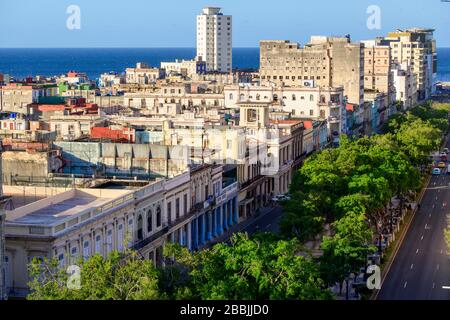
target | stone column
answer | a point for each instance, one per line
(220, 220)
(225, 216)
(189, 236)
(209, 225)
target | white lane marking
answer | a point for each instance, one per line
(446, 287)
(426, 226)
(406, 283)
(434, 285)
(429, 215)
(437, 267)
(412, 266)
(417, 251)
(442, 251)
(421, 239)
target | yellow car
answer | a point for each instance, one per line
(442, 165)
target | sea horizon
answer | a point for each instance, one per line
(21, 62)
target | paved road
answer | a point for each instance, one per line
(421, 269)
(267, 223)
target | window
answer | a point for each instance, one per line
(177, 208)
(61, 261)
(98, 244)
(311, 98)
(311, 112)
(158, 217)
(149, 221)
(169, 212)
(140, 232)
(251, 115)
(130, 231)
(120, 237)
(185, 204)
(86, 250)
(74, 252)
(109, 242)
(294, 97)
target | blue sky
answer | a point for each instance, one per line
(171, 23)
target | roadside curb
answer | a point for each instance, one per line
(400, 240)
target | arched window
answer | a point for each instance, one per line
(242, 96)
(120, 239)
(98, 244)
(86, 250)
(294, 97)
(311, 98)
(149, 221)
(158, 217)
(140, 233)
(275, 98)
(231, 96)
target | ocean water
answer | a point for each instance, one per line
(21, 63)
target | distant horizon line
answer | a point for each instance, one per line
(115, 48)
(49, 48)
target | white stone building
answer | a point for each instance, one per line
(214, 39)
(318, 103)
(191, 209)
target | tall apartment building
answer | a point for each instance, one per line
(214, 39)
(416, 47)
(405, 85)
(378, 76)
(325, 61)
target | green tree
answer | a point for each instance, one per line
(346, 251)
(259, 268)
(117, 277)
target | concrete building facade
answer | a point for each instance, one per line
(191, 209)
(378, 76)
(416, 47)
(215, 40)
(325, 61)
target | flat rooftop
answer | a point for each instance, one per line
(57, 212)
(58, 205)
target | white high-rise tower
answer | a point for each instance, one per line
(214, 39)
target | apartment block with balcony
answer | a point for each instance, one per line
(378, 76)
(325, 61)
(416, 47)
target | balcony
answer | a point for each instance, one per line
(332, 119)
(141, 244)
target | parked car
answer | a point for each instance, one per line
(442, 165)
(281, 197)
(436, 171)
(446, 150)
